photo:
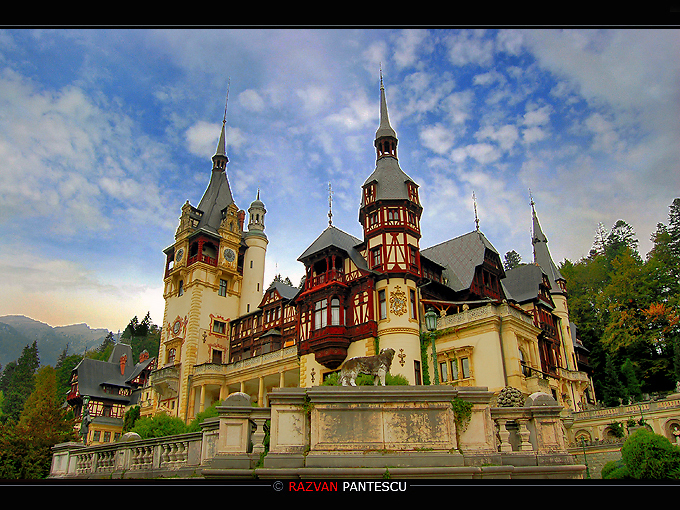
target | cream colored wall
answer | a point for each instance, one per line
(398, 330)
(253, 278)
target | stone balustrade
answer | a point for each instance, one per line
(353, 431)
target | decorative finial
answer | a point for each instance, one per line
(531, 199)
(226, 103)
(330, 205)
(381, 79)
(474, 201)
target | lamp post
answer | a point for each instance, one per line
(585, 459)
(431, 325)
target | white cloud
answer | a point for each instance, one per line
(251, 100)
(314, 98)
(437, 138)
(537, 117)
(605, 137)
(407, 46)
(469, 47)
(506, 136)
(483, 153)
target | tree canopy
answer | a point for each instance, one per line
(627, 309)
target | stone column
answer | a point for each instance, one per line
(201, 406)
(260, 392)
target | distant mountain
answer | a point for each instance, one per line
(17, 331)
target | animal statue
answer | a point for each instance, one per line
(377, 366)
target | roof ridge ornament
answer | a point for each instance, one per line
(330, 205)
(474, 203)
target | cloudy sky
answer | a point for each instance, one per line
(105, 133)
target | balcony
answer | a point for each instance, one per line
(332, 276)
(212, 261)
(166, 379)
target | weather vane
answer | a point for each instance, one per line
(330, 204)
(474, 202)
(226, 103)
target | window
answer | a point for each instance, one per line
(465, 367)
(413, 304)
(335, 312)
(107, 437)
(454, 369)
(442, 371)
(217, 356)
(416, 370)
(223, 288)
(393, 215)
(383, 304)
(219, 327)
(320, 317)
(171, 356)
(376, 256)
(180, 289)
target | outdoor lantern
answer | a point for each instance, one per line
(431, 320)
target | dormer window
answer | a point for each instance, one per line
(412, 192)
(369, 194)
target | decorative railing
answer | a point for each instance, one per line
(482, 312)
(212, 261)
(141, 458)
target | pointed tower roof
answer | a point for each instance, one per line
(385, 129)
(217, 196)
(542, 254)
(391, 179)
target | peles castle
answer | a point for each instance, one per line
(224, 332)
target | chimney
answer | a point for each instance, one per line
(123, 361)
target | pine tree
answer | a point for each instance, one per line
(613, 389)
(26, 446)
(632, 384)
(512, 260)
(20, 382)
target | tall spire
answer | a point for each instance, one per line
(220, 158)
(385, 147)
(542, 255)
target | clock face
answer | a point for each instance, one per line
(179, 255)
(175, 327)
(229, 255)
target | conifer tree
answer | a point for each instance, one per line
(20, 382)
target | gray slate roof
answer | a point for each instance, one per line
(216, 197)
(285, 291)
(93, 374)
(460, 256)
(542, 256)
(522, 283)
(391, 180)
(334, 237)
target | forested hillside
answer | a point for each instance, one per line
(17, 331)
(627, 309)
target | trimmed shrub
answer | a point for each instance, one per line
(647, 455)
(615, 470)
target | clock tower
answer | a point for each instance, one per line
(211, 268)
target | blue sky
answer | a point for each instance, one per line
(105, 133)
